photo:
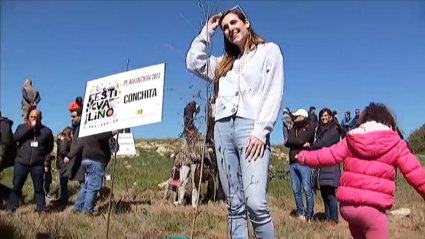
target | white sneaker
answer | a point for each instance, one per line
(301, 217)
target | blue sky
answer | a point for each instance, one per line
(338, 54)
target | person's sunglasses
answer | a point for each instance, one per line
(238, 8)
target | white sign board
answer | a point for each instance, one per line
(126, 144)
(124, 100)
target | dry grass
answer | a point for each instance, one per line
(140, 212)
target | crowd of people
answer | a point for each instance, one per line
(29, 151)
(248, 89)
(304, 130)
(371, 147)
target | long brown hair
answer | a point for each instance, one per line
(231, 51)
(66, 134)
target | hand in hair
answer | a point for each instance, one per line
(214, 20)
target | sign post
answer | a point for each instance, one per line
(124, 100)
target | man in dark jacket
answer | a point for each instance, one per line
(30, 99)
(35, 142)
(74, 169)
(312, 116)
(188, 116)
(356, 117)
(301, 137)
(96, 153)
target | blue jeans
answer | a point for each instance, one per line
(301, 175)
(86, 200)
(244, 183)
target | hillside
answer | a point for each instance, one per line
(140, 212)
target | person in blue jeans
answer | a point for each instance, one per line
(249, 86)
(301, 137)
(96, 153)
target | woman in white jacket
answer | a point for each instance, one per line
(250, 79)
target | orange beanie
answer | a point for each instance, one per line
(73, 106)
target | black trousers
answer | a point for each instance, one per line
(331, 203)
(20, 176)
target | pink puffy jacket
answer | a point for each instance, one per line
(371, 154)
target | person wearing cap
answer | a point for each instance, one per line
(301, 137)
(78, 103)
(287, 123)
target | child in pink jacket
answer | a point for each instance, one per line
(371, 153)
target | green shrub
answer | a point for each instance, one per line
(417, 140)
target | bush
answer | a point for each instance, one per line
(417, 140)
(279, 172)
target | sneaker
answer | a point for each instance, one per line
(301, 218)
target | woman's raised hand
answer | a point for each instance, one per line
(213, 22)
